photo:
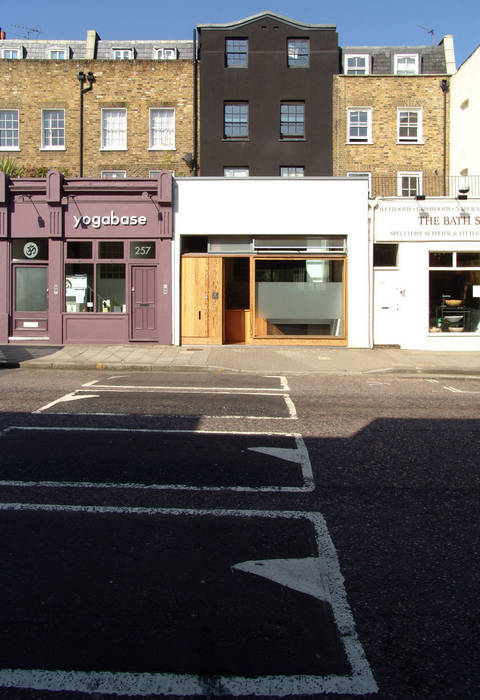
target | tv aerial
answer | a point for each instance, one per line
(27, 30)
(429, 31)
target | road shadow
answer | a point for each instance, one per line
(12, 355)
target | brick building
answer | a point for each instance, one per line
(137, 110)
(391, 117)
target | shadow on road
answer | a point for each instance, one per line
(12, 355)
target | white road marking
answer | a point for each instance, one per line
(65, 399)
(432, 381)
(459, 391)
(260, 391)
(360, 682)
(299, 455)
(308, 575)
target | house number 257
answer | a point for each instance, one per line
(142, 250)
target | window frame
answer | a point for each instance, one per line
(402, 56)
(7, 128)
(360, 141)
(18, 49)
(289, 123)
(164, 53)
(418, 139)
(302, 59)
(410, 174)
(236, 171)
(153, 145)
(124, 50)
(45, 146)
(355, 71)
(230, 55)
(104, 147)
(284, 168)
(109, 174)
(238, 124)
(55, 49)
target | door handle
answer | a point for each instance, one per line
(199, 315)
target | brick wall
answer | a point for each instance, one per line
(138, 86)
(384, 157)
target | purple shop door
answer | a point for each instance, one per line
(30, 301)
(144, 313)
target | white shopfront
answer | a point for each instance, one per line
(426, 273)
(272, 261)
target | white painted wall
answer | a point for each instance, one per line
(464, 121)
(282, 206)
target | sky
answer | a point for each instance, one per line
(367, 23)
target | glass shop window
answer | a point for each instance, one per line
(110, 250)
(110, 289)
(385, 255)
(454, 292)
(78, 250)
(33, 249)
(94, 286)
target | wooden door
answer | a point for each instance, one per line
(143, 307)
(202, 301)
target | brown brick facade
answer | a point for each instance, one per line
(30, 86)
(384, 157)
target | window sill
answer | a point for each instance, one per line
(359, 143)
(292, 138)
(162, 148)
(124, 148)
(9, 148)
(53, 148)
(409, 143)
(239, 138)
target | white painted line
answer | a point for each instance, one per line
(308, 575)
(360, 682)
(459, 391)
(283, 380)
(175, 415)
(65, 399)
(291, 407)
(432, 381)
(299, 455)
(257, 391)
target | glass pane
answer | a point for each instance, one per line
(455, 301)
(78, 288)
(299, 297)
(110, 250)
(468, 260)
(30, 289)
(142, 249)
(440, 260)
(385, 254)
(79, 249)
(111, 288)
(30, 248)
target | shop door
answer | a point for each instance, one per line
(144, 314)
(202, 301)
(30, 301)
(386, 307)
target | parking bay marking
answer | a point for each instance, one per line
(318, 577)
(297, 456)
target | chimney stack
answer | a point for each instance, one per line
(2, 35)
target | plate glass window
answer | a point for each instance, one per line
(53, 128)
(236, 120)
(359, 125)
(162, 129)
(454, 291)
(298, 53)
(409, 125)
(9, 129)
(114, 129)
(236, 53)
(292, 120)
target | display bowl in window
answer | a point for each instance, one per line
(453, 302)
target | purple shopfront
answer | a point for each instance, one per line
(85, 261)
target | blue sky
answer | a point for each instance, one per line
(371, 22)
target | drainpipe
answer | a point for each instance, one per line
(82, 78)
(195, 104)
(444, 84)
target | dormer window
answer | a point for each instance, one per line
(11, 53)
(166, 54)
(406, 64)
(356, 64)
(58, 54)
(122, 54)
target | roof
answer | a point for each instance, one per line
(266, 15)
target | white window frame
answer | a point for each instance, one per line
(292, 171)
(355, 71)
(123, 54)
(419, 126)
(62, 49)
(13, 130)
(162, 143)
(236, 171)
(364, 175)
(113, 174)
(417, 175)
(46, 144)
(155, 173)
(121, 145)
(7, 49)
(166, 54)
(398, 57)
(368, 137)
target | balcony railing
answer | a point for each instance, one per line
(430, 186)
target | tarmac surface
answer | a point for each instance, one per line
(241, 358)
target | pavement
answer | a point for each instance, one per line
(241, 358)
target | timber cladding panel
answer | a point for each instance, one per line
(30, 86)
(385, 94)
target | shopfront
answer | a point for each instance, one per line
(426, 267)
(85, 260)
(272, 261)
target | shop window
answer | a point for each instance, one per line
(141, 250)
(79, 289)
(77, 250)
(110, 290)
(236, 53)
(299, 297)
(95, 286)
(385, 255)
(454, 292)
(110, 250)
(292, 120)
(34, 249)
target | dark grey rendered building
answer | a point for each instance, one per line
(266, 97)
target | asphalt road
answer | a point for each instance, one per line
(214, 533)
